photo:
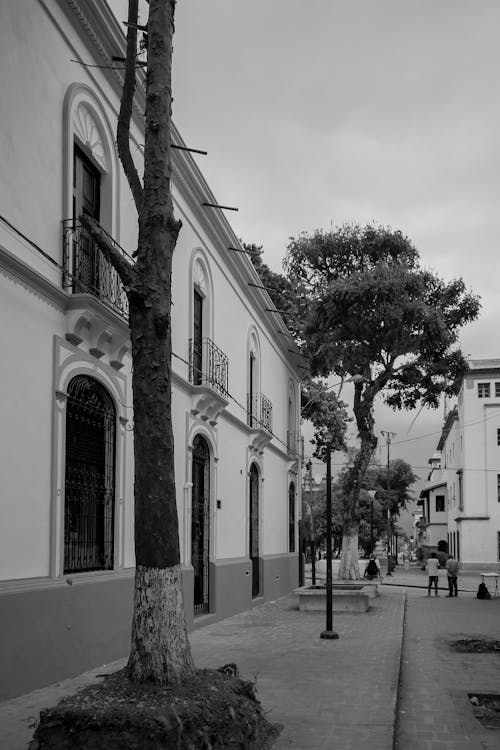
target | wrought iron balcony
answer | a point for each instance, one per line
(259, 411)
(87, 270)
(208, 365)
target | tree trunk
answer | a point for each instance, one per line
(159, 612)
(363, 407)
(160, 649)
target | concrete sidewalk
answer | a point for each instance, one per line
(343, 694)
(327, 693)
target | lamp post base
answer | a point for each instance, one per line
(329, 635)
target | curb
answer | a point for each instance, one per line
(399, 667)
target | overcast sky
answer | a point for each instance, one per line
(316, 112)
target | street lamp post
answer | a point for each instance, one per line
(371, 525)
(313, 543)
(388, 439)
(372, 494)
(329, 633)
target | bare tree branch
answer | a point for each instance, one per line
(123, 129)
(123, 267)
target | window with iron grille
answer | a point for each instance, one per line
(498, 436)
(483, 390)
(497, 390)
(498, 487)
(89, 498)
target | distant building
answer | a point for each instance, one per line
(66, 465)
(469, 452)
(432, 525)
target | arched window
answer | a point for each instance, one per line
(291, 517)
(253, 378)
(89, 499)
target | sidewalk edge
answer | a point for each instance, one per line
(399, 668)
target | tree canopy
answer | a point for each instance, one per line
(401, 476)
(374, 313)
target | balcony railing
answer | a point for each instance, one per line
(87, 270)
(208, 365)
(259, 411)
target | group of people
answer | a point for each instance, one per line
(452, 566)
(372, 570)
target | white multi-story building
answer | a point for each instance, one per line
(66, 536)
(469, 450)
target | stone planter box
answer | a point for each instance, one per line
(347, 597)
(372, 588)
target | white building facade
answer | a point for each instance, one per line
(67, 537)
(469, 450)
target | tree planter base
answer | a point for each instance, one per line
(347, 596)
(212, 710)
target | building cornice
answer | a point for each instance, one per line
(459, 519)
(19, 271)
(450, 420)
(100, 31)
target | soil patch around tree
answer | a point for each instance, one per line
(486, 709)
(475, 645)
(214, 710)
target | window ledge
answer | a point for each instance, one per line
(22, 585)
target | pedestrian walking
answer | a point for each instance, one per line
(432, 566)
(452, 567)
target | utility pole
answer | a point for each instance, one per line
(389, 436)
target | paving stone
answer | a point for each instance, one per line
(341, 694)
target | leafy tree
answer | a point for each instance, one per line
(160, 650)
(375, 313)
(328, 415)
(379, 520)
(401, 478)
(280, 290)
(314, 515)
(319, 404)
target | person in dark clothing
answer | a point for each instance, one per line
(452, 567)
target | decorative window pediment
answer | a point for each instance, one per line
(199, 278)
(87, 131)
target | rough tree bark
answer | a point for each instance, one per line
(363, 411)
(160, 650)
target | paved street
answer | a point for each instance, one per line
(343, 694)
(434, 712)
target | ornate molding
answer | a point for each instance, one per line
(20, 273)
(258, 439)
(207, 404)
(199, 277)
(89, 134)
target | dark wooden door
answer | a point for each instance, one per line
(200, 523)
(254, 529)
